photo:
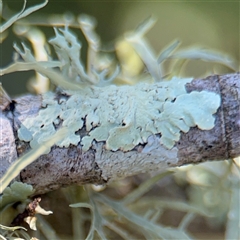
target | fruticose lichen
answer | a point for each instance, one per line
(124, 116)
(93, 108)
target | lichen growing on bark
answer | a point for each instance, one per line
(124, 116)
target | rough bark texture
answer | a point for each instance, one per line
(65, 166)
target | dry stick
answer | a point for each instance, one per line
(66, 166)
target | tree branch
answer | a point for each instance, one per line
(66, 166)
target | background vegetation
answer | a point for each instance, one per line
(214, 25)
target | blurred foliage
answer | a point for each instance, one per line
(210, 24)
(129, 209)
(141, 209)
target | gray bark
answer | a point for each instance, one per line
(66, 166)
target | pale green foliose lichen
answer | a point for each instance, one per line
(120, 116)
(16, 192)
(124, 116)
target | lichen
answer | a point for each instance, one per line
(121, 116)
(124, 116)
(16, 192)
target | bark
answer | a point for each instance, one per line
(66, 166)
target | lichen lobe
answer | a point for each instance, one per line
(124, 116)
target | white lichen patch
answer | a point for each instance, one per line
(124, 116)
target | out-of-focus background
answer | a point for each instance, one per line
(213, 25)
